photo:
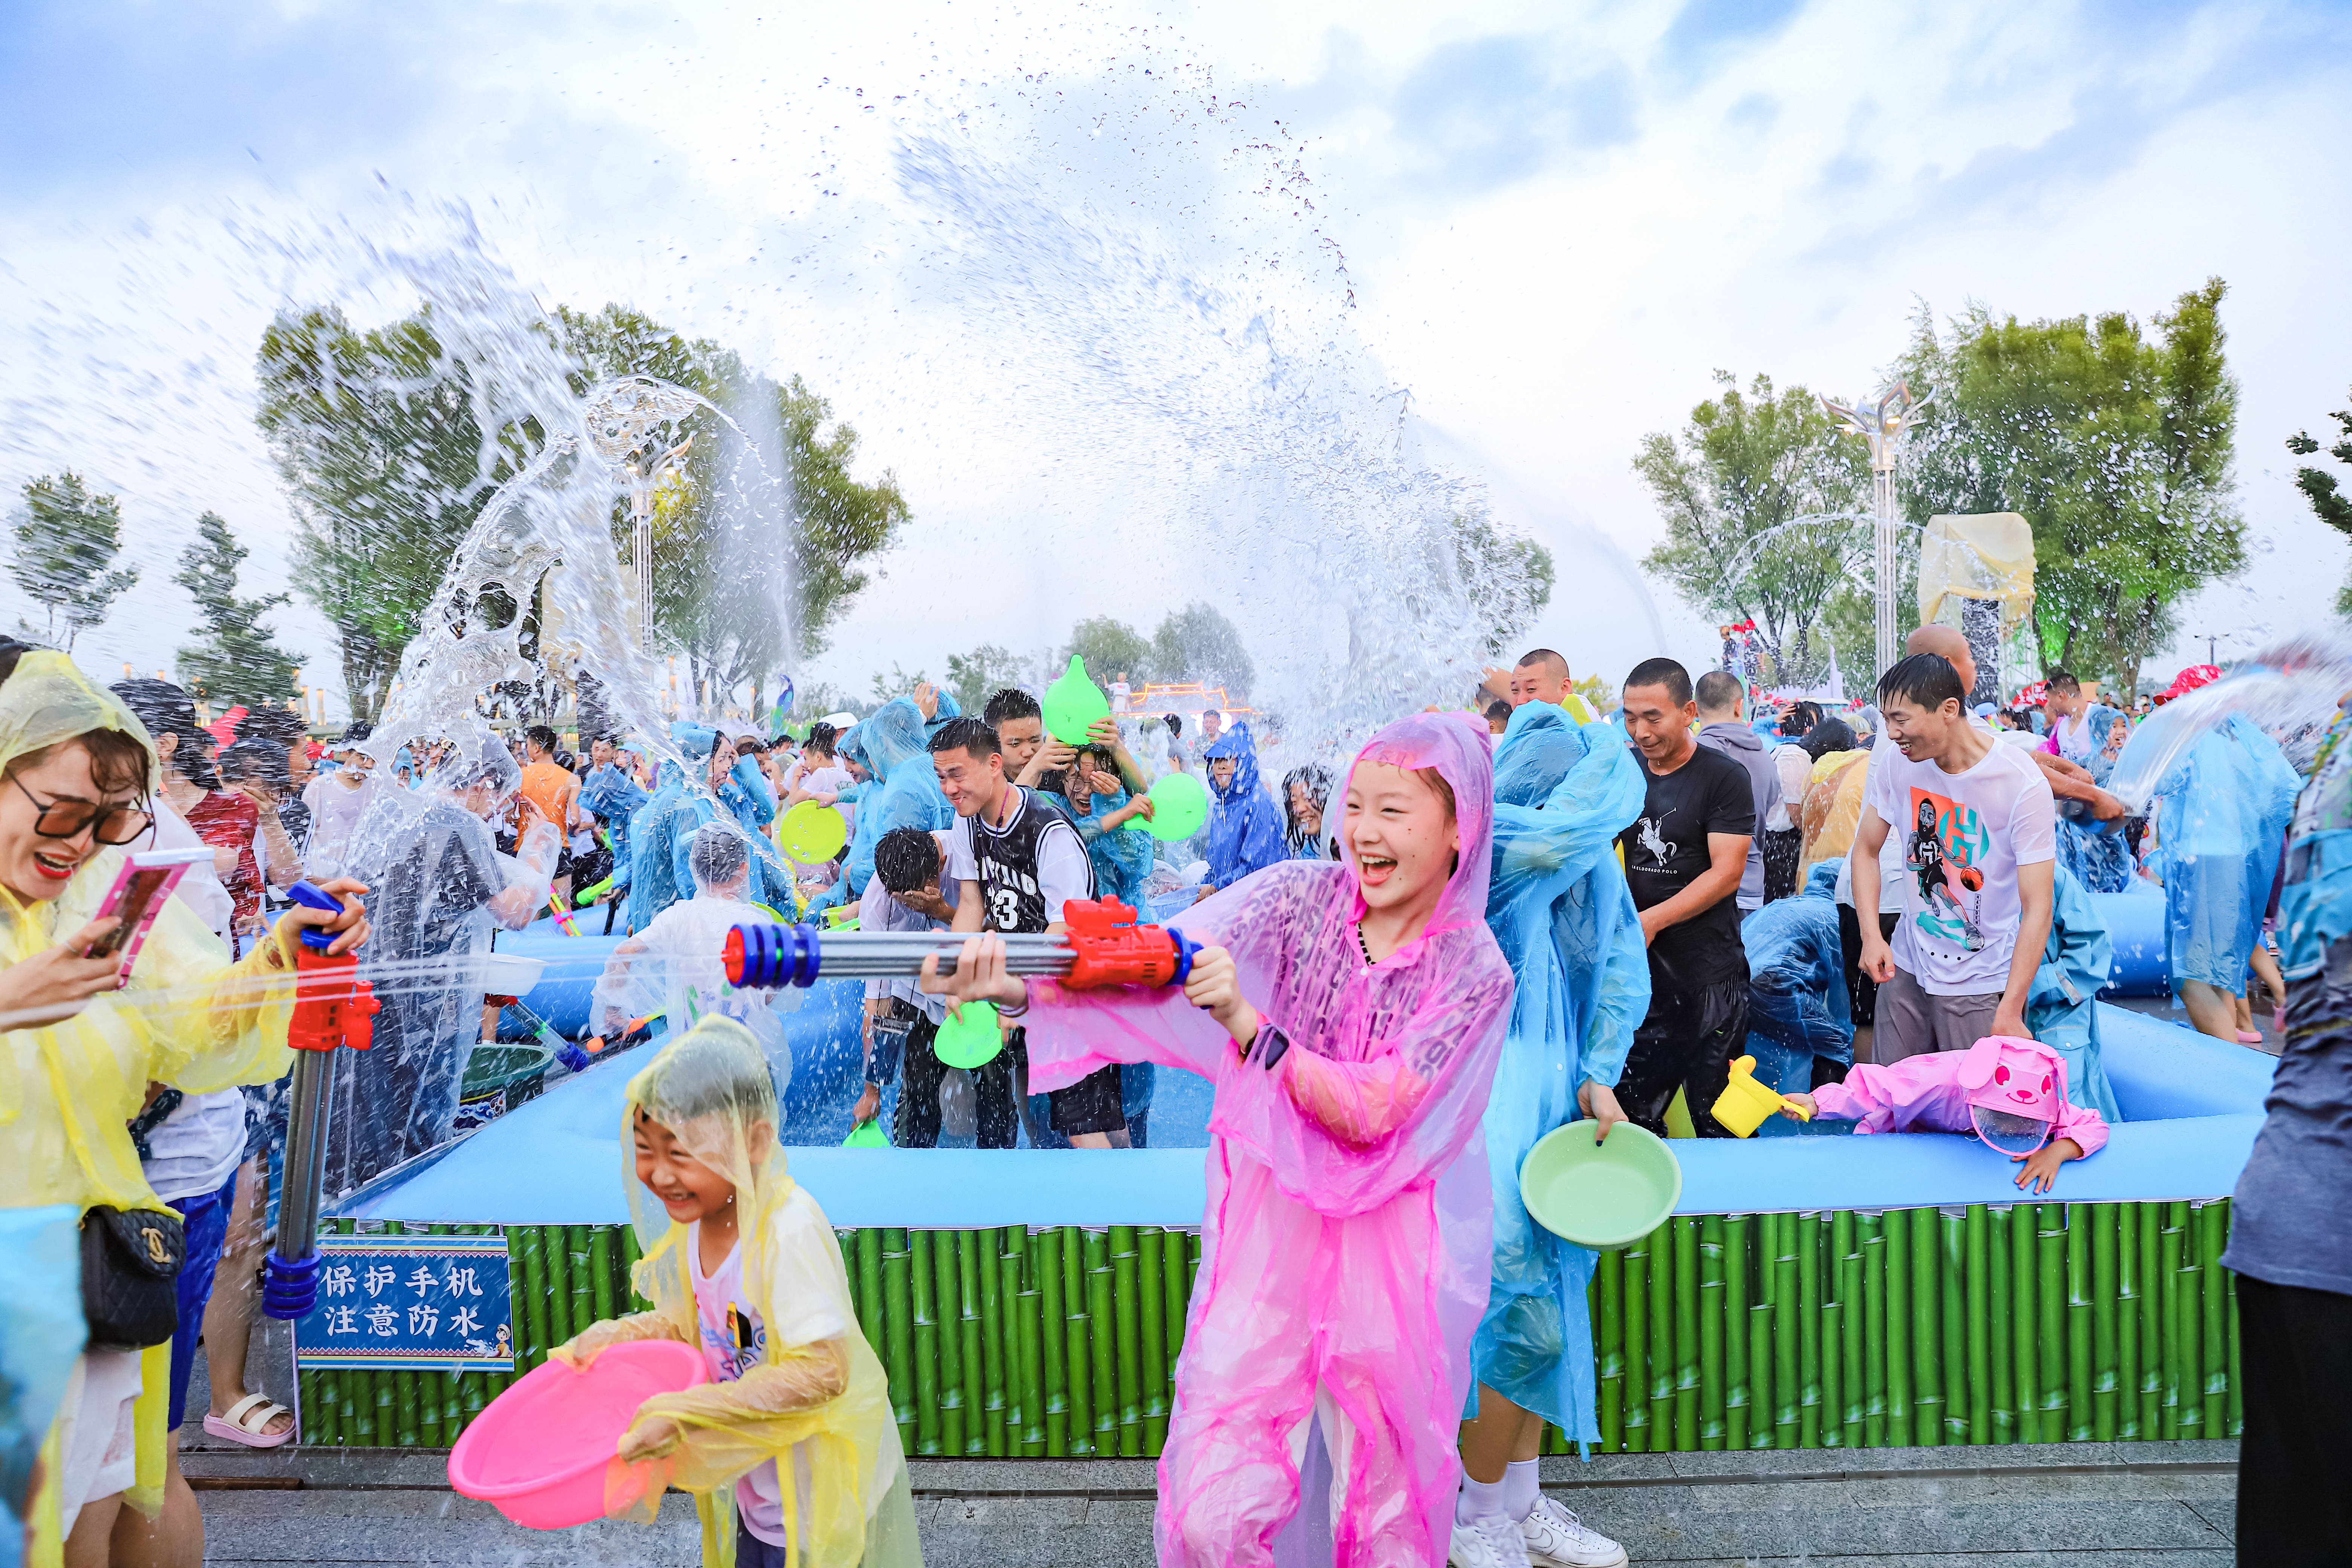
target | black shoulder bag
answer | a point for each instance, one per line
(130, 1261)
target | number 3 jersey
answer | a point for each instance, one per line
(1027, 867)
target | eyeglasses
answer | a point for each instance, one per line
(116, 825)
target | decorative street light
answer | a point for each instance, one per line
(642, 483)
(1883, 424)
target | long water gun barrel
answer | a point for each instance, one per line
(1103, 945)
(333, 1008)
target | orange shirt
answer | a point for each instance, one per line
(552, 790)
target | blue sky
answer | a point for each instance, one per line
(1557, 220)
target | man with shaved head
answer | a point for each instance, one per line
(1542, 677)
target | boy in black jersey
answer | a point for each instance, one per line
(1017, 861)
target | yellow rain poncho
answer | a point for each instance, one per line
(818, 1410)
(1833, 808)
(189, 1018)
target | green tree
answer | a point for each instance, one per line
(374, 436)
(1507, 573)
(1196, 643)
(2114, 445)
(1111, 648)
(1759, 496)
(65, 545)
(737, 600)
(974, 676)
(234, 657)
(2321, 487)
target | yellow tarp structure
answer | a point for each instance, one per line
(1987, 555)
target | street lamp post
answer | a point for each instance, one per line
(1882, 423)
(641, 507)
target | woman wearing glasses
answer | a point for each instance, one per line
(79, 1050)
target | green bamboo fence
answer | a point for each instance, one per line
(2024, 1324)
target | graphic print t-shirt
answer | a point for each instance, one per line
(1963, 836)
(1665, 851)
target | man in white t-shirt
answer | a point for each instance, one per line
(2070, 711)
(1978, 828)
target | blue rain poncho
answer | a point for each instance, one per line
(1797, 1003)
(614, 797)
(653, 880)
(893, 745)
(1121, 855)
(1559, 906)
(2061, 1009)
(2220, 824)
(2094, 850)
(1244, 824)
(2315, 906)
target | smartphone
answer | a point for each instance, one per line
(140, 888)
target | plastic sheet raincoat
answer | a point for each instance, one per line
(2221, 819)
(1564, 918)
(1344, 1250)
(1797, 1003)
(1121, 855)
(2095, 851)
(2061, 1009)
(892, 743)
(652, 841)
(675, 970)
(614, 798)
(1245, 829)
(816, 1409)
(190, 1018)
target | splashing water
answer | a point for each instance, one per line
(2290, 688)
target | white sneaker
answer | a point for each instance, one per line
(1554, 1536)
(1491, 1541)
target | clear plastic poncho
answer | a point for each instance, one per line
(2220, 824)
(675, 968)
(1797, 1003)
(190, 1017)
(1347, 1239)
(893, 744)
(2061, 1009)
(1559, 909)
(653, 844)
(1833, 805)
(819, 1411)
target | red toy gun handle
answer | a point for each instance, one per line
(333, 1007)
(1109, 948)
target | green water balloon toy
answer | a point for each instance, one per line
(867, 1135)
(1073, 704)
(1179, 804)
(969, 1038)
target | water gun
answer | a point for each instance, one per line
(563, 920)
(587, 895)
(333, 1007)
(1103, 945)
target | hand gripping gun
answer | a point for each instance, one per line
(333, 1007)
(1103, 945)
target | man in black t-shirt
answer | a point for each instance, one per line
(1684, 859)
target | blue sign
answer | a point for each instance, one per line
(437, 1303)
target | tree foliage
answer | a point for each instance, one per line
(986, 669)
(2114, 445)
(1112, 648)
(234, 657)
(1508, 573)
(2321, 487)
(66, 540)
(374, 437)
(1196, 643)
(1736, 489)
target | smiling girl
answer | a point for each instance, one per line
(1350, 1016)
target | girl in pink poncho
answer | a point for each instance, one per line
(1350, 1016)
(2010, 1092)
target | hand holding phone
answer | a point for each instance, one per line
(136, 897)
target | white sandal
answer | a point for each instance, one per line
(248, 1422)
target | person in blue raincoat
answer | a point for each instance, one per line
(613, 797)
(2061, 1009)
(892, 745)
(2095, 851)
(1245, 830)
(1799, 1020)
(2220, 826)
(1558, 905)
(653, 880)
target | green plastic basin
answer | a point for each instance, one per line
(1603, 1195)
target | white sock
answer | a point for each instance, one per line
(1480, 1499)
(1521, 1488)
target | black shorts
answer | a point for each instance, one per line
(1090, 1105)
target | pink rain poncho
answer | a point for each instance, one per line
(1346, 1239)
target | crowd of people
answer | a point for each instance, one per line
(1489, 925)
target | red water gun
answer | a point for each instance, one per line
(332, 1006)
(1104, 944)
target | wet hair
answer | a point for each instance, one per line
(1545, 656)
(974, 735)
(354, 732)
(2063, 682)
(1926, 679)
(1719, 690)
(257, 758)
(282, 725)
(1803, 716)
(821, 739)
(11, 650)
(1209, 714)
(1175, 726)
(1498, 708)
(1009, 703)
(717, 855)
(542, 737)
(1663, 672)
(905, 858)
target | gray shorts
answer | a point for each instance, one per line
(1912, 1021)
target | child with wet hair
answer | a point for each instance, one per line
(789, 1450)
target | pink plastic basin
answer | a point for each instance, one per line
(537, 1451)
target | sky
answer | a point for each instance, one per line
(1019, 248)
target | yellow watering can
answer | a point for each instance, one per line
(1744, 1103)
